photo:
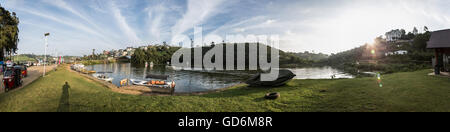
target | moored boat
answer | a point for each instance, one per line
(283, 77)
(153, 83)
(103, 77)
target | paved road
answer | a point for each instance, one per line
(33, 73)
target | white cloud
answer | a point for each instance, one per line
(236, 26)
(155, 17)
(63, 5)
(123, 25)
(62, 21)
(198, 11)
(96, 6)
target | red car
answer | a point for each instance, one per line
(23, 69)
(12, 78)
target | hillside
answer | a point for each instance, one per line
(23, 58)
(385, 56)
(162, 55)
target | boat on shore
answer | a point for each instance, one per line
(77, 67)
(284, 76)
(103, 77)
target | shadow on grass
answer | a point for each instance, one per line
(64, 105)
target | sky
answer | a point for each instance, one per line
(326, 26)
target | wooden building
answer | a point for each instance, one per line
(440, 42)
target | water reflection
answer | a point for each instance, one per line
(187, 81)
(319, 73)
(198, 81)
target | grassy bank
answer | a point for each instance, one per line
(412, 91)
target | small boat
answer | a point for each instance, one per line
(103, 77)
(153, 83)
(84, 71)
(283, 77)
(155, 76)
(77, 67)
(101, 72)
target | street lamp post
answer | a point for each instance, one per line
(45, 49)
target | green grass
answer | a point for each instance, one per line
(23, 58)
(412, 91)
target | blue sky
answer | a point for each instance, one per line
(328, 26)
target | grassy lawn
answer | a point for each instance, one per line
(412, 91)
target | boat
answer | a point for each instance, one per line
(284, 77)
(103, 77)
(77, 67)
(155, 76)
(153, 83)
(84, 71)
(103, 72)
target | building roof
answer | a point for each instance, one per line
(439, 39)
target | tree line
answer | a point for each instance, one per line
(158, 54)
(161, 55)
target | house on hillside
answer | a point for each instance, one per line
(398, 52)
(400, 43)
(112, 53)
(129, 51)
(394, 35)
(119, 53)
(143, 48)
(440, 42)
(105, 52)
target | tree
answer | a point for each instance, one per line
(409, 36)
(9, 32)
(403, 31)
(157, 54)
(425, 29)
(415, 31)
(420, 42)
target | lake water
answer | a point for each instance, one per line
(196, 81)
(320, 73)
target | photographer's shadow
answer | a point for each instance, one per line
(64, 105)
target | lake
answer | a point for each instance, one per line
(320, 73)
(200, 81)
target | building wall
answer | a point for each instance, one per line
(445, 52)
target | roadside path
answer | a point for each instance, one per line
(34, 73)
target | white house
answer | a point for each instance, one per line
(398, 52)
(394, 35)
